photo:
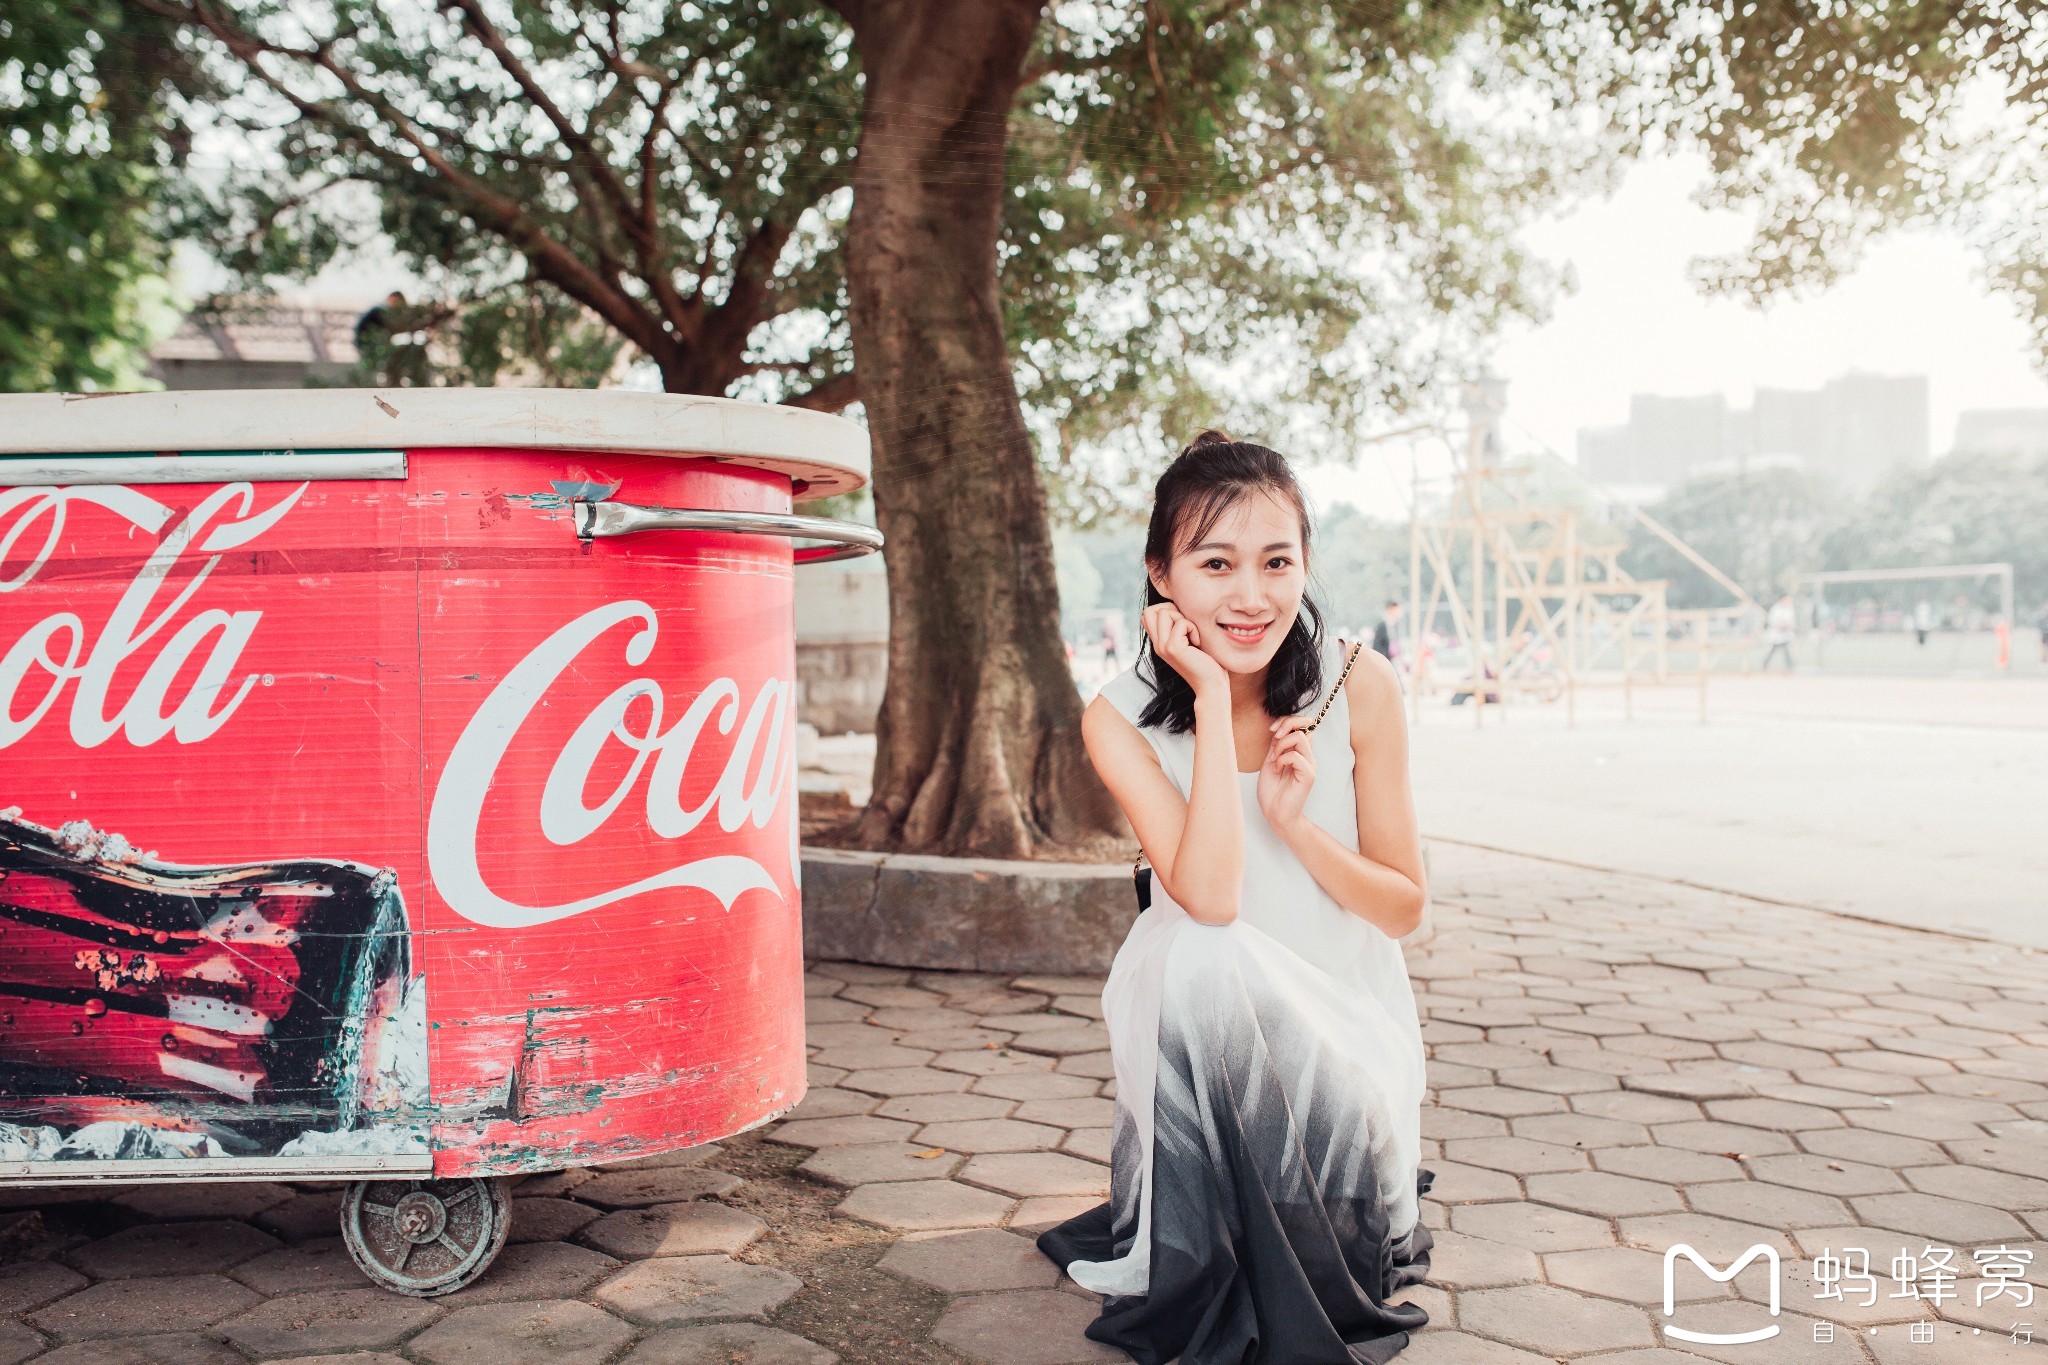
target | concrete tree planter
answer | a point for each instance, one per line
(972, 914)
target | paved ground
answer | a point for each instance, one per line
(1617, 1065)
(1929, 826)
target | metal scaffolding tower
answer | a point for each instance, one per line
(1540, 607)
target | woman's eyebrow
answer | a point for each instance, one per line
(1219, 545)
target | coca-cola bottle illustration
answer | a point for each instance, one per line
(236, 1000)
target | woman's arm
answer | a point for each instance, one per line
(1196, 847)
(1381, 881)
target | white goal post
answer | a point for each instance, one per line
(1818, 584)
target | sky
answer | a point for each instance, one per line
(1636, 324)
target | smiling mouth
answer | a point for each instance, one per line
(1243, 636)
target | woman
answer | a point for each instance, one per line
(1269, 1063)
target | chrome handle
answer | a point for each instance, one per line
(850, 539)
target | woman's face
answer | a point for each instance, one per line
(1248, 571)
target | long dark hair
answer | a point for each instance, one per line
(1211, 476)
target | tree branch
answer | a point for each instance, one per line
(828, 395)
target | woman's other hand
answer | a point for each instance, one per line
(1288, 773)
(1175, 639)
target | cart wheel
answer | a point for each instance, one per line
(425, 1237)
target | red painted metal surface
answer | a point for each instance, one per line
(380, 738)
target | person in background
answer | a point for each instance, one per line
(1383, 633)
(1923, 619)
(1778, 632)
(1110, 660)
(2041, 624)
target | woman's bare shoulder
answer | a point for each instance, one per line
(1372, 686)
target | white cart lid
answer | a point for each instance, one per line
(829, 453)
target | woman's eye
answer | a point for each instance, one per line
(1281, 560)
(1207, 562)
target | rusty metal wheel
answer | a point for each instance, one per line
(425, 1237)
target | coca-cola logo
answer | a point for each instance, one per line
(764, 745)
(58, 651)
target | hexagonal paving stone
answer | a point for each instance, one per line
(1097, 1064)
(1457, 1183)
(548, 1220)
(1630, 1274)
(1722, 1138)
(1976, 1185)
(1777, 1205)
(1091, 1143)
(842, 1131)
(170, 1249)
(921, 1205)
(547, 1332)
(330, 1320)
(1947, 1221)
(1064, 1042)
(1502, 1101)
(668, 1185)
(1531, 1225)
(323, 1263)
(1604, 1194)
(674, 1289)
(1670, 1164)
(830, 1102)
(1023, 1327)
(1460, 1262)
(699, 1229)
(2019, 1156)
(539, 1270)
(945, 1108)
(991, 1135)
(31, 1284)
(175, 1348)
(869, 1163)
(1542, 1317)
(232, 1199)
(1080, 1112)
(723, 1343)
(18, 1343)
(972, 1262)
(1585, 1131)
(121, 1308)
(1037, 1214)
(1037, 1173)
(991, 1062)
(1035, 1085)
(871, 1056)
(955, 1039)
(906, 1080)
(1716, 1238)
(1517, 1156)
(1823, 1175)
(1090, 986)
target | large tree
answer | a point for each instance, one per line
(775, 199)
(1042, 243)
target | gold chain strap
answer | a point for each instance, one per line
(1350, 660)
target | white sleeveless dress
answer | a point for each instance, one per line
(1269, 1082)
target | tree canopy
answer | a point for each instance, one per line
(84, 139)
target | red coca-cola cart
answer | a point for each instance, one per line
(399, 787)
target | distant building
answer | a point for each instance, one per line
(1852, 429)
(2003, 431)
(259, 345)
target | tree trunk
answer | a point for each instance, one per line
(978, 741)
